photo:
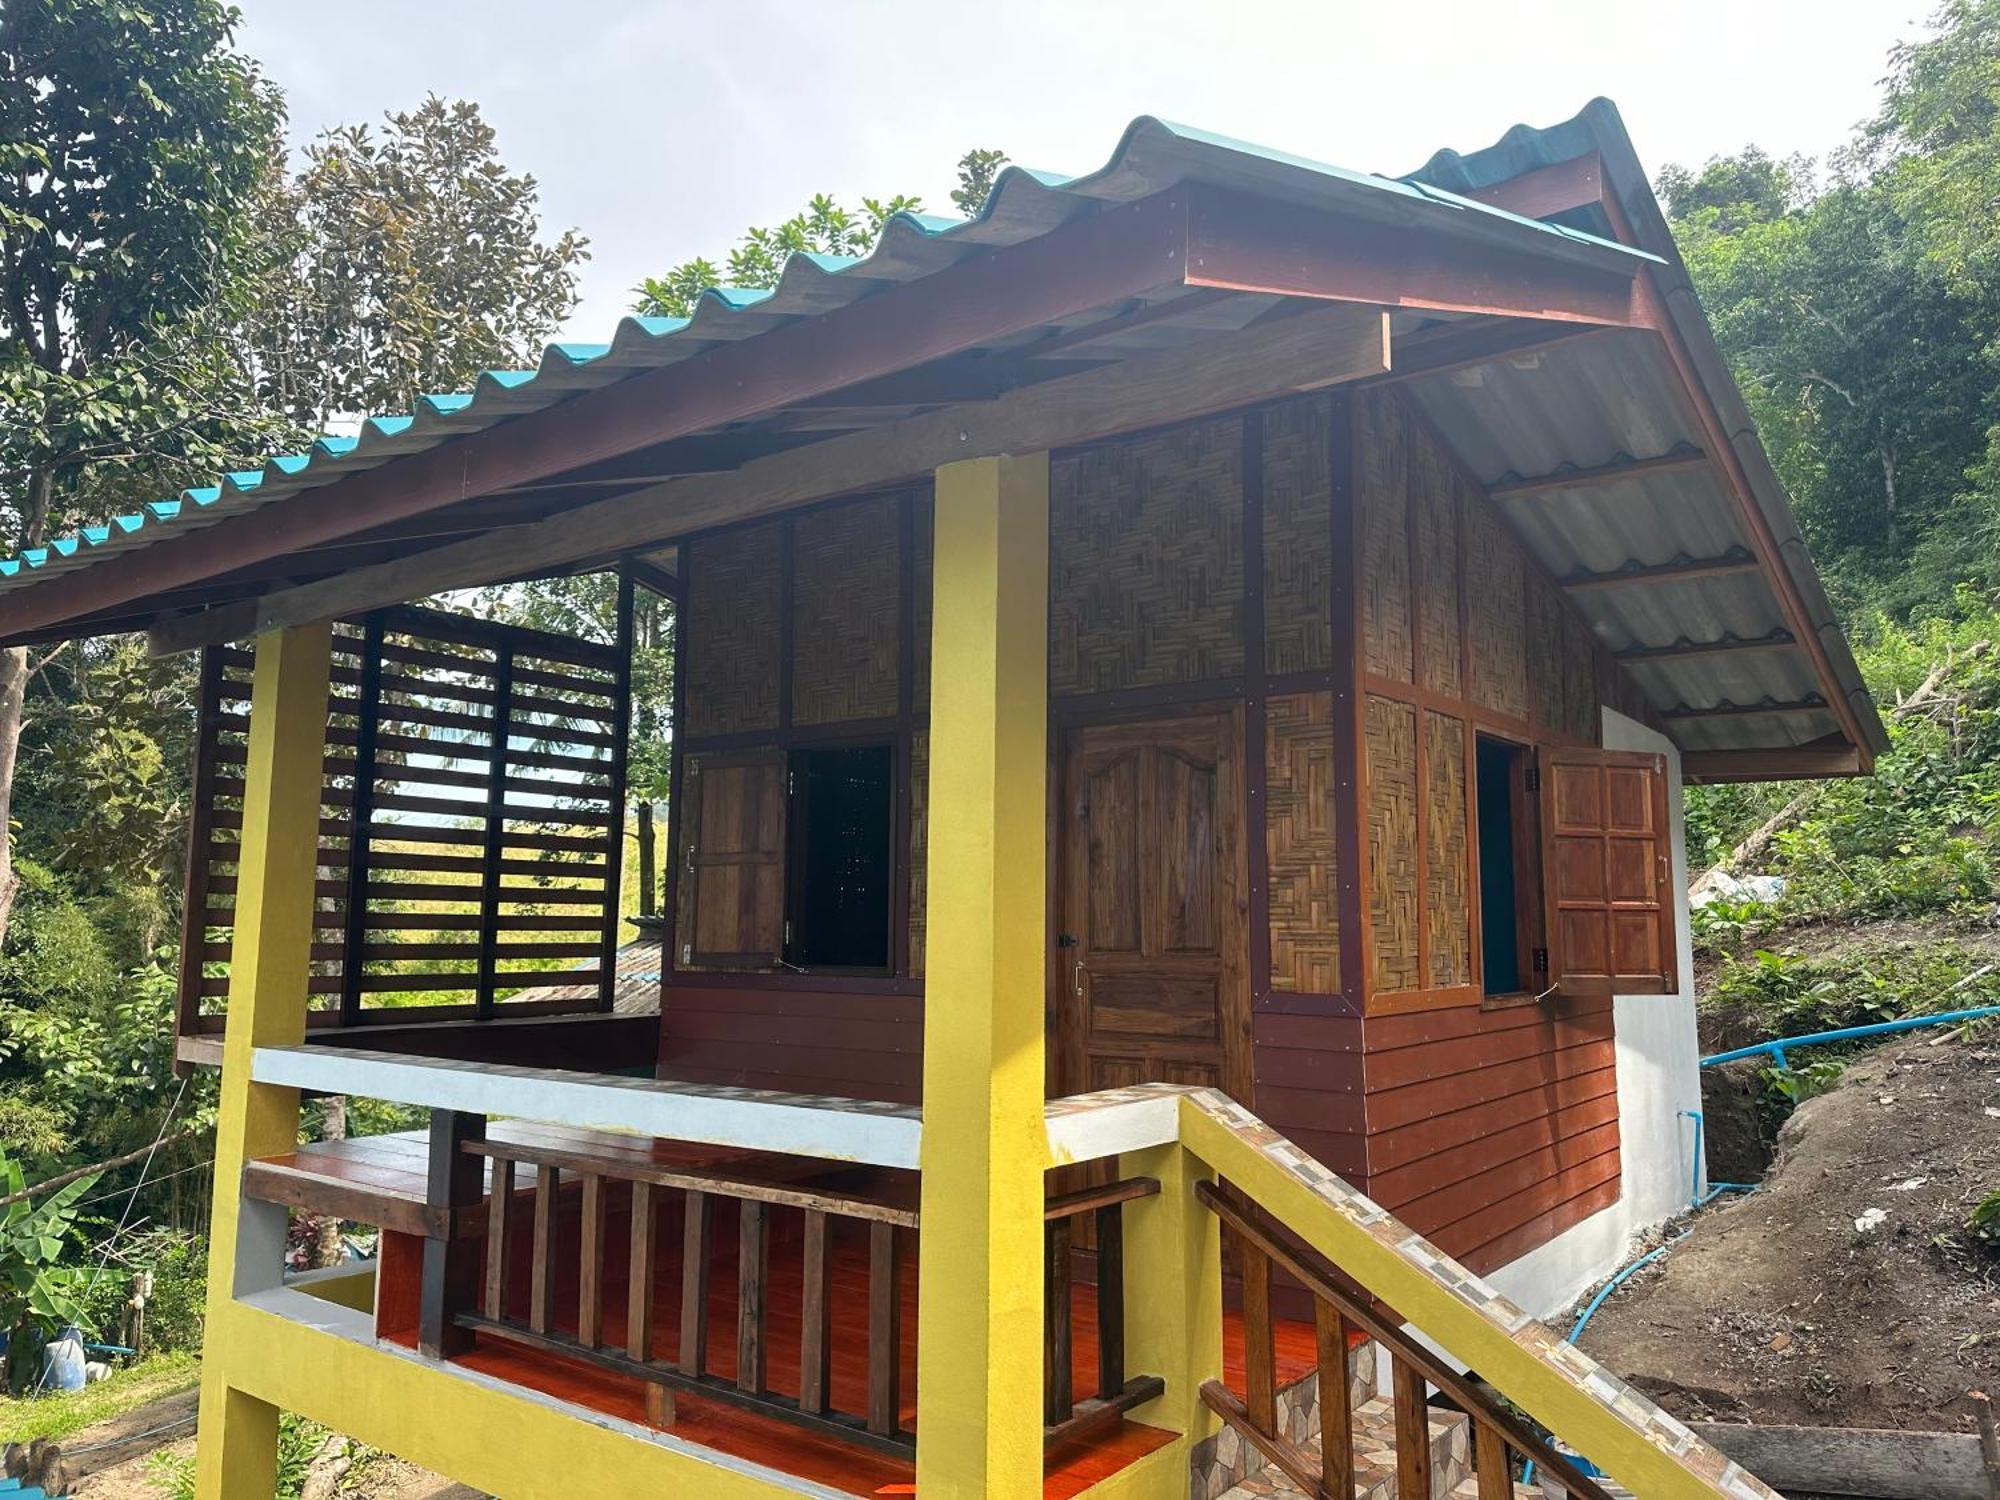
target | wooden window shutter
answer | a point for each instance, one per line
(733, 899)
(1607, 872)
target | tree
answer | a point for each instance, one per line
(399, 263)
(822, 227)
(132, 138)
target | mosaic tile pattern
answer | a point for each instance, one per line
(1571, 1364)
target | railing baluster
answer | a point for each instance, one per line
(639, 1277)
(1260, 1364)
(1057, 1392)
(1336, 1403)
(815, 1367)
(499, 1218)
(450, 1279)
(1413, 1429)
(694, 1285)
(752, 1267)
(1489, 1462)
(590, 1265)
(541, 1281)
(885, 1331)
(1110, 1300)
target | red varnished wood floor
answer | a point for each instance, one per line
(729, 1429)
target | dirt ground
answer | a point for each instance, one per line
(385, 1479)
(1845, 1292)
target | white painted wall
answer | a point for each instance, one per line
(1659, 1082)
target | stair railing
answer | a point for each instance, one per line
(1340, 1307)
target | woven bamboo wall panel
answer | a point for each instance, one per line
(1496, 615)
(1146, 561)
(1298, 536)
(846, 582)
(1382, 492)
(1547, 615)
(1580, 696)
(919, 856)
(1447, 853)
(920, 606)
(1436, 496)
(1298, 835)
(1391, 771)
(732, 638)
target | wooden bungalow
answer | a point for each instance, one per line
(1183, 688)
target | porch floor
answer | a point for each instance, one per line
(393, 1166)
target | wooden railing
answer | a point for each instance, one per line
(1064, 1417)
(479, 1190)
(1341, 1308)
(458, 1301)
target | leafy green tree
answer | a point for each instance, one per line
(36, 1289)
(133, 138)
(977, 170)
(401, 262)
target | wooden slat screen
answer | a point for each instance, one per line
(470, 832)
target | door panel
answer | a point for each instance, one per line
(1150, 982)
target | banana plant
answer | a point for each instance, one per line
(34, 1284)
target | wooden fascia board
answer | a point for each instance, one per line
(1109, 255)
(1812, 760)
(1324, 346)
(1544, 192)
(1245, 244)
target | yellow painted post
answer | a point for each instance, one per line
(236, 1454)
(1173, 1290)
(985, 1149)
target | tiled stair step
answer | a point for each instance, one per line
(1375, 1457)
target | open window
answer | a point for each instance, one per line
(1513, 952)
(1607, 866)
(789, 860)
(840, 894)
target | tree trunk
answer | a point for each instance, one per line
(327, 1246)
(647, 903)
(13, 694)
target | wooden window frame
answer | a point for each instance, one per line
(1531, 920)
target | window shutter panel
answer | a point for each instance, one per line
(1607, 872)
(734, 900)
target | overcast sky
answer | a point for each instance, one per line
(662, 129)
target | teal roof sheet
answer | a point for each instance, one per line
(1151, 155)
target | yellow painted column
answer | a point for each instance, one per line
(1173, 1290)
(979, 1319)
(236, 1454)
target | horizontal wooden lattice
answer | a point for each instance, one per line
(470, 819)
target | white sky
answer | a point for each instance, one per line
(662, 129)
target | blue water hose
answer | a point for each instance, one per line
(1777, 1050)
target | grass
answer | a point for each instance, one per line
(135, 1385)
(58, 1417)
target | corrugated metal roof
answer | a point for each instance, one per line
(1665, 517)
(1151, 156)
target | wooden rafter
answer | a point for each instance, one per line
(1777, 640)
(1728, 710)
(1679, 570)
(1599, 474)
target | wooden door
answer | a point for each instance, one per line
(1150, 965)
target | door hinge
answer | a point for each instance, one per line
(1541, 960)
(1534, 778)
(687, 953)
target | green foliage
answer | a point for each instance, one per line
(1983, 1223)
(1784, 994)
(1723, 927)
(822, 227)
(400, 261)
(36, 1289)
(1793, 1086)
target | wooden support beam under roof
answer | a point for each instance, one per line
(1777, 640)
(1831, 756)
(1725, 710)
(1599, 474)
(1321, 347)
(1549, 192)
(1247, 244)
(1736, 560)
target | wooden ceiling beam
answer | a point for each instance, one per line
(1679, 570)
(1322, 347)
(1598, 475)
(1725, 710)
(1777, 640)
(1831, 756)
(1088, 262)
(1545, 192)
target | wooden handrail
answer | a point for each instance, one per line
(1272, 1244)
